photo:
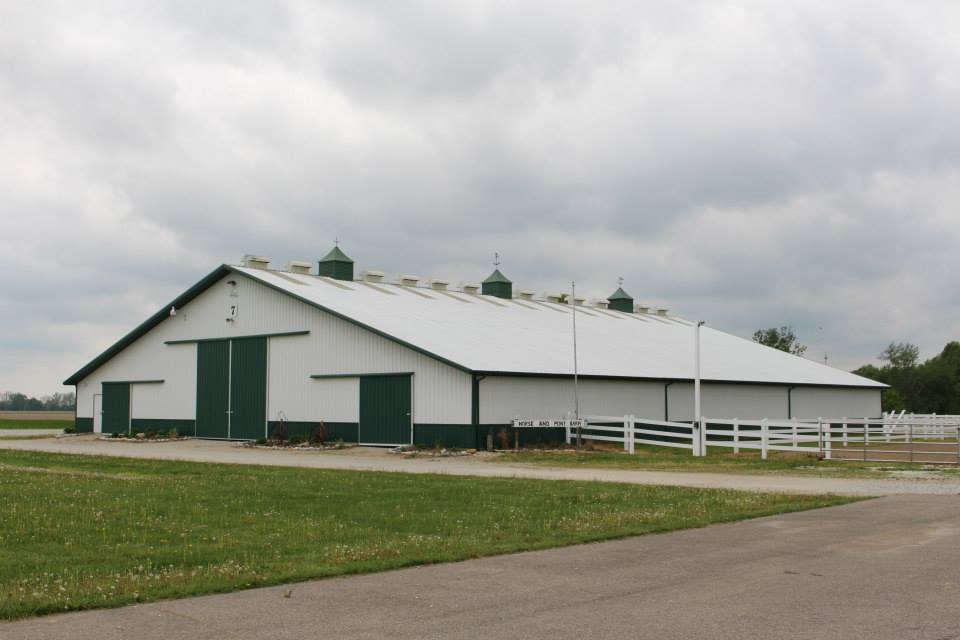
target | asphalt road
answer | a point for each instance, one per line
(883, 569)
(370, 459)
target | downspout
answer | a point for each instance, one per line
(790, 402)
(666, 402)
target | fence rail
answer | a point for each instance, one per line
(927, 438)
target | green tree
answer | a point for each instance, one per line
(783, 339)
(901, 355)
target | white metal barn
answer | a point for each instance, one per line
(409, 361)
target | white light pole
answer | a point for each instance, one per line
(576, 388)
(698, 439)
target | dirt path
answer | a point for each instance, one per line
(369, 459)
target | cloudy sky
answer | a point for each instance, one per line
(748, 163)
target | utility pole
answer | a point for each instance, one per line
(697, 447)
(576, 376)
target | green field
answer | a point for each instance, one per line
(79, 532)
(652, 458)
(35, 424)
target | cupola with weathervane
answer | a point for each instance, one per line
(336, 264)
(497, 284)
(620, 300)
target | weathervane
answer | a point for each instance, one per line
(620, 281)
(496, 259)
(336, 241)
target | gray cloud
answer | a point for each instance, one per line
(749, 164)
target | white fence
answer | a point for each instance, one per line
(896, 438)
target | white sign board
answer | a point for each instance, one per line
(549, 424)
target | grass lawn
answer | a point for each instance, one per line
(35, 424)
(79, 532)
(717, 460)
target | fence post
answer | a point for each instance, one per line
(764, 439)
(736, 435)
(633, 433)
(866, 432)
(694, 437)
(827, 449)
(844, 431)
(626, 434)
(566, 429)
(703, 436)
(796, 443)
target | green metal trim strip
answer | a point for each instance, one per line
(281, 334)
(325, 376)
(519, 374)
(205, 283)
(132, 382)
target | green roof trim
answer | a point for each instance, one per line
(620, 294)
(336, 255)
(496, 276)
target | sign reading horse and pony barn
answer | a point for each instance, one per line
(549, 424)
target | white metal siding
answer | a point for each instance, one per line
(814, 402)
(504, 398)
(334, 346)
(728, 401)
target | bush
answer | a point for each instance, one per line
(173, 434)
(279, 432)
(297, 440)
(260, 441)
(70, 429)
(150, 435)
(319, 434)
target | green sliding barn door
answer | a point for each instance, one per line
(213, 388)
(385, 409)
(248, 389)
(116, 407)
(232, 389)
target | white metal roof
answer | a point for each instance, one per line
(485, 333)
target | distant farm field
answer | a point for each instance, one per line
(34, 424)
(79, 532)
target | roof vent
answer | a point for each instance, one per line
(470, 287)
(255, 262)
(599, 304)
(643, 308)
(439, 285)
(620, 300)
(299, 266)
(371, 275)
(525, 294)
(408, 281)
(336, 264)
(554, 297)
(579, 301)
(662, 312)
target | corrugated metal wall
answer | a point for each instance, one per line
(810, 402)
(503, 398)
(728, 401)
(334, 346)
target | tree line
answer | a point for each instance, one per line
(15, 401)
(931, 386)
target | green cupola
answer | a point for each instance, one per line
(496, 283)
(336, 264)
(620, 300)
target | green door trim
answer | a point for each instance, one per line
(283, 334)
(325, 376)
